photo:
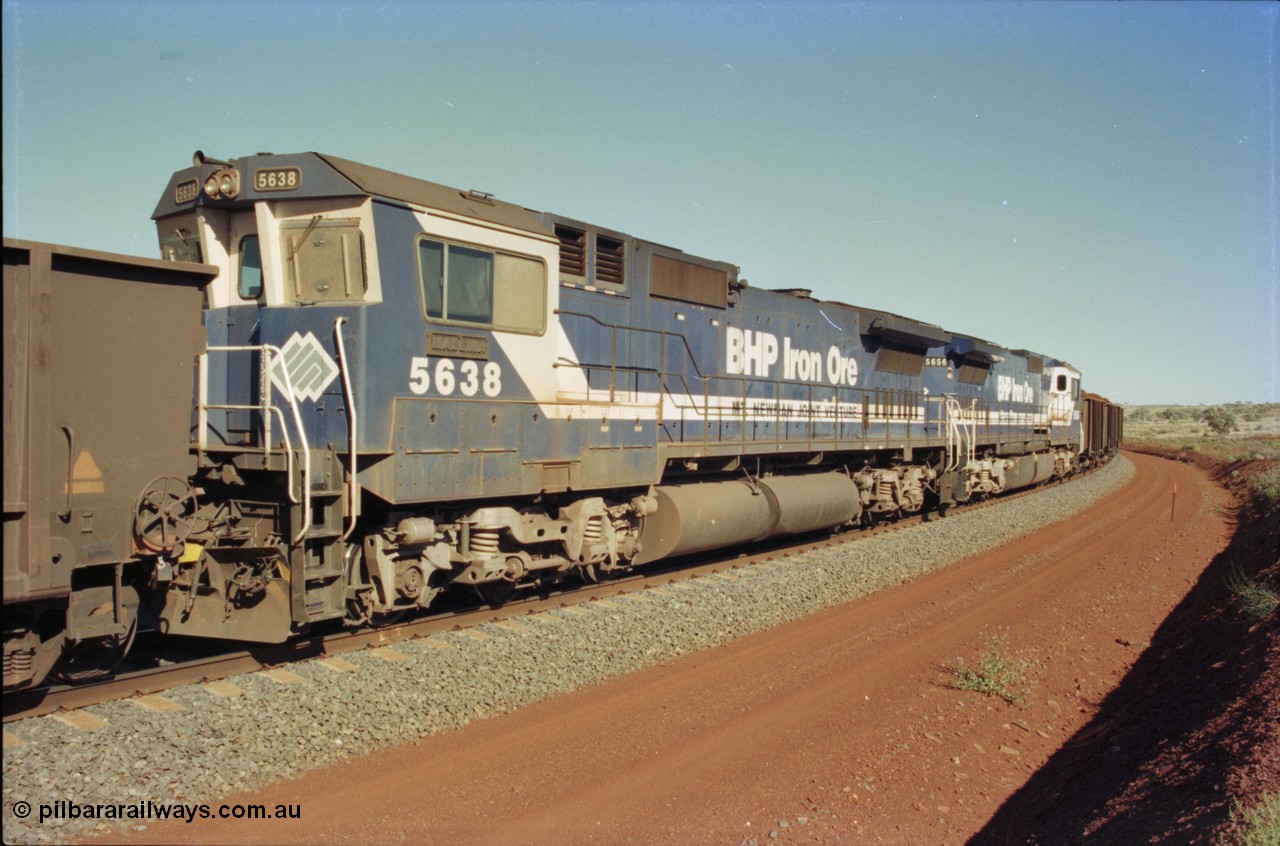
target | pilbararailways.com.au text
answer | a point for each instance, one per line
(65, 809)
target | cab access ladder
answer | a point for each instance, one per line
(322, 507)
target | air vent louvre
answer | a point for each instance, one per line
(610, 261)
(573, 251)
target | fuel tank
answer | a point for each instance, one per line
(708, 515)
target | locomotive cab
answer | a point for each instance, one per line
(362, 322)
(1064, 394)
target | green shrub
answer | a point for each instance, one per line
(1268, 484)
(994, 674)
(1259, 825)
(1255, 600)
(1220, 421)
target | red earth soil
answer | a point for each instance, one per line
(1145, 703)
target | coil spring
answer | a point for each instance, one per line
(484, 542)
(19, 663)
(884, 490)
(594, 530)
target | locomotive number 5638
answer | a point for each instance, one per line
(467, 377)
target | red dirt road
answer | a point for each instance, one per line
(842, 725)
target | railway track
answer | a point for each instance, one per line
(151, 680)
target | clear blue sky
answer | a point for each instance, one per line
(1096, 181)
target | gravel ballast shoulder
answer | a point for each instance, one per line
(217, 745)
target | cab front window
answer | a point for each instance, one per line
(180, 239)
(250, 284)
(324, 260)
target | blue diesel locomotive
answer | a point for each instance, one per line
(404, 387)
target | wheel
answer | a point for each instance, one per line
(91, 659)
(496, 594)
(360, 602)
(165, 514)
(381, 619)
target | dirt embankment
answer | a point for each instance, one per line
(1194, 727)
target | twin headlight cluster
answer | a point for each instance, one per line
(223, 184)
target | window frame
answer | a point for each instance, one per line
(293, 291)
(180, 238)
(240, 266)
(493, 253)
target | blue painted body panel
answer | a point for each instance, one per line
(660, 379)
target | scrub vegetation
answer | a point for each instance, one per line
(1259, 825)
(995, 673)
(1253, 597)
(1235, 434)
(1235, 428)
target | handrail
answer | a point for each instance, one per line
(65, 515)
(354, 507)
(662, 371)
(288, 453)
(265, 407)
(284, 434)
(959, 431)
(703, 411)
(962, 424)
(643, 330)
(305, 475)
(202, 404)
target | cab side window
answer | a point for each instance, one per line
(479, 287)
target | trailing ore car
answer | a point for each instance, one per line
(400, 387)
(1103, 428)
(98, 353)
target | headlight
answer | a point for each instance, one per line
(223, 185)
